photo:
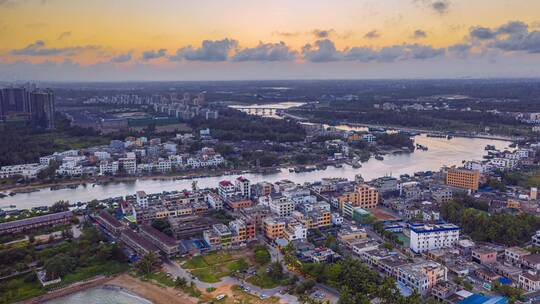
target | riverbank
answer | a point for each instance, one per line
(155, 294)
(68, 290)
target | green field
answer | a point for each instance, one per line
(212, 267)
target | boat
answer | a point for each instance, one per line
(421, 147)
(489, 147)
(338, 165)
(379, 157)
(357, 165)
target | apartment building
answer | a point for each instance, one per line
(243, 186)
(514, 255)
(60, 218)
(529, 281)
(109, 222)
(274, 227)
(429, 237)
(463, 178)
(421, 276)
(138, 243)
(364, 196)
(281, 205)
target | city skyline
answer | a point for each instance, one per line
(57, 40)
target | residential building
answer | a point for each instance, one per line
(243, 186)
(364, 196)
(26, 171)
(165, 243)
(422, 276)
(484, 255)
(274, 227)
(214, 200)
(463, 178)
(514, 255)
(138, 243)
(142, 199)
(531, 261)
(529, 281)
(109, 223)
(12, 227)
(281, 205)
(226, 189)
(429, 237)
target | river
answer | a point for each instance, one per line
(441, 152)
(100, 296)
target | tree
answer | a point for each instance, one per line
(59, 265)
(59, 206)
(275, 271)
(147, 263)
(262, 256)
(180, 282)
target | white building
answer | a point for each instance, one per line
(46, 160)
(163, 165)
(243, 186)
(536, 239)
(281, 205)
(128, 164)
(27, 171)
(142, 199)
(69, 169)
(102, 155)
(226, 189)
(476, 165)
(295, 231)
(108, 168)
(430, 237)
(214, 201)
(422, 276)
(337, 219)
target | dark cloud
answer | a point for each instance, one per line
(64, 35)
(211, 50)
(482, 33)
(441, 6)
(417, 51)
(121, 58)
(419, 34)
(513, 27)
(266, 52)
(39, 48)
(323, 50)
(512, 36)
(321, 34)
(372, 34)
(153, 54)
(460, 48)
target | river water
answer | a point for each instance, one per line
(441, 152)
(100, 296)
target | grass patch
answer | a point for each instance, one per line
(262, 280)
(195, 262)
(160, 278)
(210, 274)
(212, 267)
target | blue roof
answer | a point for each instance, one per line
(505, 281)
(480, 299)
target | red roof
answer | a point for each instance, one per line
(225, 183)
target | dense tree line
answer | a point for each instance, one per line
(234, 125)
(437, 120)
(502, 228)
(357, 283)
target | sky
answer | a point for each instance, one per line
(126, 40)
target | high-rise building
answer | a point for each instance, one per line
(36, 105)
(42, 108)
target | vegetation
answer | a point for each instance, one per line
(262, 256)
(234, 125)
(357, 283)
(25, 144)
(212, 267)
(72, 260)
(475, 221)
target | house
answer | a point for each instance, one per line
(484, 255)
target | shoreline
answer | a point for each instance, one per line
(124, 283)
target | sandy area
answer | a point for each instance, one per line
(152, 292)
